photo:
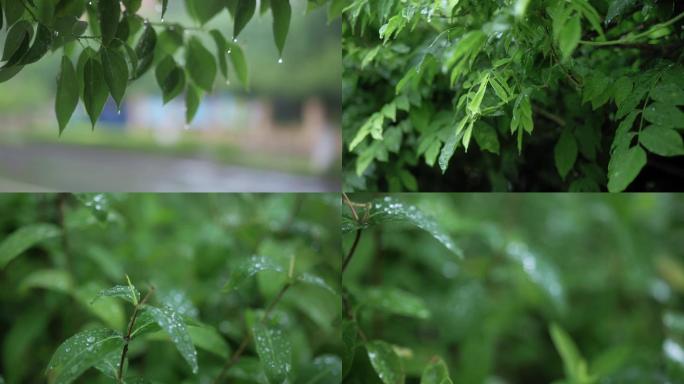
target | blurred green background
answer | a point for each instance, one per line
(184, 245)
(282, 134)
(609, 269)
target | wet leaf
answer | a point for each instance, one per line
(244, 11)
(396, 301)
(200, 65)
(539, 271)
(282, 12)
(67, 93)
(80, 352)
(121, 291)
(248, 268)
(386, 362)
(436, 372)
(172, 323)
(275, 352)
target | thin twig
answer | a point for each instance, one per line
(350, 254)
(127, 338)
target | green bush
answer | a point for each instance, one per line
(531, 289)
(222, 288)
(576, 95)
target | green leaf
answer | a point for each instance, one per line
(67, 93)
(476, 100)
(349, 337)
(165, 6)
(573, 363)
(666, 115)
(565, 152)
(52, 279)
(386, 362)
(539, 271)
(170, 77)
(389, 209)
(17, 42)
(24, 238)
(192, 102)
(668, 93)
(570, 35)
(451, 144)
(80, 352)
(237, 57)
(486, 137)
(621, 90)
(617, 8)
(282, 12)
(248, 268)
(94, 89)
(275, 352)
(121, 291)
(316, 281)
(221, 49)
(662, 141)
(244, 11)
(207, 338)
(144, 51)
(436, 372)
(200, 64)
(115, 73)
(171, 322)
(110, 12)
(624, 167)
(395, 301)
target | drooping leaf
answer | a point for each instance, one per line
(200, 64)
(80, 352)
(94, 89)
(248, 268)
(208, 338)
(24, 238)
(171, 78)
(17, 42)
(110, 12)
(221, 51)
(67, 93)
(237, 57)
(282, 12)
(115, 73)
(275, 352)
(172, 323)
(144, 51)
(244, 11)
(386, 362)
(570, 36)
(193, 97)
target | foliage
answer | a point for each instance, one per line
(549, 289)
(577, 95)
(107, 45)
(69, 311)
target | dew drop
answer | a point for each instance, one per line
(280, 60)
(118, 111)
(162, 20)
(234, 39)
(229, 50)
(90, 3)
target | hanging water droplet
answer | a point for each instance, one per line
(229, 50)
(234, 39)
(280, 60)
(56, 33)
(162, 20)
(90, 3)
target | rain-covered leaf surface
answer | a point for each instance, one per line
(80, 352)
(172, 323)
(121, 291)
(395, 301)
(386, 362)
(275, 351)
(389, 210)
(248, 268)
(539, 271)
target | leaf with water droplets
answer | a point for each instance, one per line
(98, 203)
(436, 372)
(122, 291)
(282, 12)
(324, 369)
(275, 351)
(24, 238)
(539, 271)
(390, 209)
(386, 362)
(109, 365)
(248, 268)
(395, 301)
(80, 352)
(310, 279)
(171, 322)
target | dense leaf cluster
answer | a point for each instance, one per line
(107, 45)
(576, 95)
(241, 289)
(561, 289)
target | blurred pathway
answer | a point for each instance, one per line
(34, 167)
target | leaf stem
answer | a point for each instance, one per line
(350, 254)
(127, 338)
(245, 340)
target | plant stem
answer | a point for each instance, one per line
(632, 39)
(127, 338)
(348, 258)
(245, 340)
